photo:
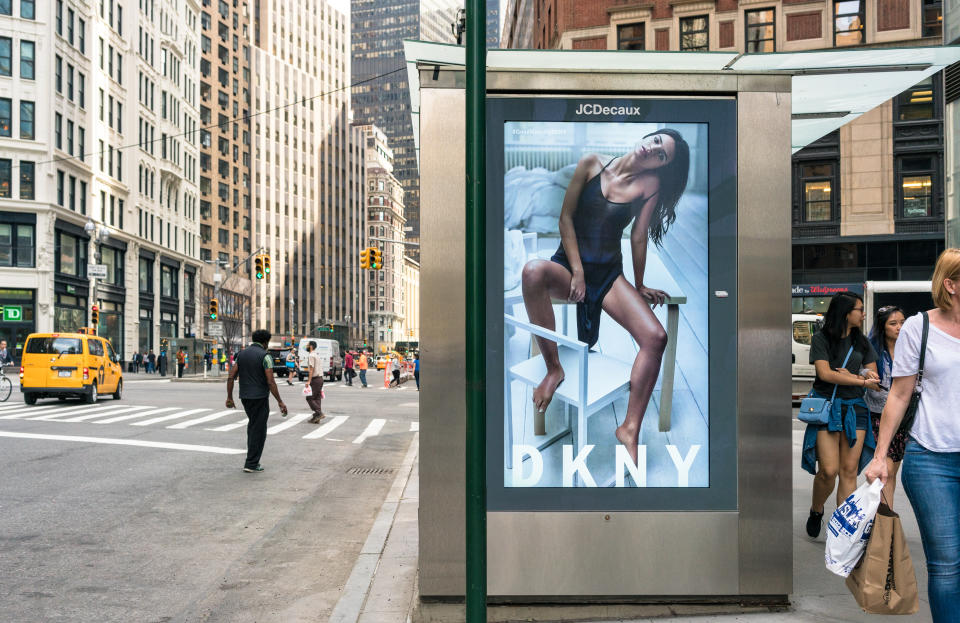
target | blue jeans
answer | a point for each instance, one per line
(363, 377)
(931, 481)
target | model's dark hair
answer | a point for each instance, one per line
(262, 336)
(835, 323)
(878, 335)
(673, 181)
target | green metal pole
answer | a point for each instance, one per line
(476, 509)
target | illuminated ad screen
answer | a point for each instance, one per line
(611, 304)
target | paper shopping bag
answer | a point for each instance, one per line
(884, 582)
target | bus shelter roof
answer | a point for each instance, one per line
(830, 88)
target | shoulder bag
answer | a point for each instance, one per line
(911, 413)
(816, 410)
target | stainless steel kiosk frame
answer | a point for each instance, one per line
(746, 552)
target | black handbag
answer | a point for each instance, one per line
(911, 413)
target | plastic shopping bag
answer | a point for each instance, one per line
(849, 528)
(307, 390)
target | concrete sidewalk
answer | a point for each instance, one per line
(818, 595)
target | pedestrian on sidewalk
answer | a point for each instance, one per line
(395, 368)
(254, 368)
(151, 362)
(416, 369)
(844, 445)
(931, 458)
(362, 365)
(315, 381)
(291, 365)
(181, 363)
(348, 368)
(162, 362)
(137, 360)
(883, 337)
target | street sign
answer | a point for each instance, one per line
(97, 271)
(12, 313)
(215, 329)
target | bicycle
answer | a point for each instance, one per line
(6, 386)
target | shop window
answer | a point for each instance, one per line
(630, 37)
(848, 22)
(918, 102)
(932, 18)
(916, 190)
(817, 192)
(761, 31)
(694, 34)
(17, 244)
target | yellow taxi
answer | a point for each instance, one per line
(382, 362)
(69, 364)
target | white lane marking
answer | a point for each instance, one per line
(327, 428)
(332, 439)
(131, 382)
(124, 418)
(242, 422)
(91, 409)
(172, 416)
(10, 406)
(291, 421)
(373, 429)
(201, 420)
(125, 442)
(85, 417)
(28, 411)
(409, 404)
(414, 427)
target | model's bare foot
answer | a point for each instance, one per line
(629, 437)
(542, 396)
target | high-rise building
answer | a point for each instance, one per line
(868, 198)
(307, 170)
(76, 188)
(225, 239)
(381, 95)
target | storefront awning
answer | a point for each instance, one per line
(830, 87)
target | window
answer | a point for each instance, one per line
(917, 102)
(60, 187)
(70, 82)
(58, 131)
(70, 15)
(817, 186)
(6, 56)
(6, 116)
(168, 281)
(26, 179)
(82, 36)
(16, 244)
(81, 144)
(917, 175)
(694, 34)
(26, 120)
(146, 275)
(932, 18)
(27, 49)
(760, 35)
(848, 22)
(630, 37)
(83, 197)
(58, 73)
(6, 177)
(81, 90)
(71, 254)
(70, 137)
(27, 9)
(113, 259)
(6, 7)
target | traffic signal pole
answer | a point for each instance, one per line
(476, 493)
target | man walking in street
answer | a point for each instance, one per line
(181, 363)
(315, 382)
(6, 359)
(254, 367)
(348, 368)
(363, 364)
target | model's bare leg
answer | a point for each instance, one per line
(543, 280)
(633, 313)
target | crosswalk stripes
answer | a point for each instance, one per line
(166, 418)
(9, 407)
(290, 422)
(58, 413)
(373, 429)
(226, 427)
(88, 416)
(201, 420)
(29, 411)
(124, 418)
(326, 428)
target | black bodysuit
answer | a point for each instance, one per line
(598, 225)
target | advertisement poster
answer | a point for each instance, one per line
(605, 211)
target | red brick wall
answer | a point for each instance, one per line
(593, 43)
(662, 36)
(804, 26)
(586, 13)
(893, 14)
(726, 5)
(726, 34)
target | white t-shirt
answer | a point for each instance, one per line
(937, 426)
(313, 359)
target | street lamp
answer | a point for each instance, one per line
(98, 234)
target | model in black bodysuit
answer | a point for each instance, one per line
(599, 225)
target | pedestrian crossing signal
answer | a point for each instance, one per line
(376, 259)
(214, 309)
(365, 258)
(266, 264)
(258, 266)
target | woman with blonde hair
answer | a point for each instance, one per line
(931, 460)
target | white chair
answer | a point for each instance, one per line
(592, 381)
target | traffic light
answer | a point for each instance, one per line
(258, 266)
(95, 316)
(331, 327)
(266, 264)
(376, 259)
(214, 309)
(365, 258)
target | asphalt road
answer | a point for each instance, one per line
(171, 529)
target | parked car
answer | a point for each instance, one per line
(804, 326)
(69, 364)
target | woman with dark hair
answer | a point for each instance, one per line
(883, 338)
(603, 197)
(845, 444)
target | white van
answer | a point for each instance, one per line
(804, 326)
(329, 352)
